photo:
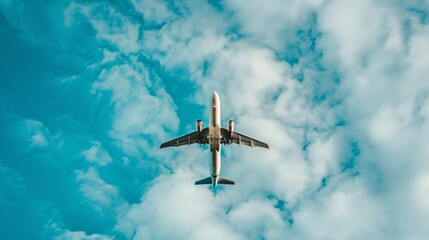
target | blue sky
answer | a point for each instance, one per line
(89, 89)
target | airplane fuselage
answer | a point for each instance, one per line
(215, 138)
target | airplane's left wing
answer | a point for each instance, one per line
(241, 139)
(188, 139)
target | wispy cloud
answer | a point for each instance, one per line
(337, 88)
(76, 235)
(97, 154)
(96, 189)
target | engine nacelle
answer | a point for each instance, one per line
(199, 126)
(230, 127)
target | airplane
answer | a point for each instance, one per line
(214, 135)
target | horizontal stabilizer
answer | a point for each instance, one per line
(207, 180)
(225, 181)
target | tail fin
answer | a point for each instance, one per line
(207, 180)
(225, 181)
(219, 180)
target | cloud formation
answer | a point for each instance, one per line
(338, 89)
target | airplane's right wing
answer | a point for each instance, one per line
(188, 139)
(241, 139)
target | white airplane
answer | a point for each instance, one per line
(214, 135)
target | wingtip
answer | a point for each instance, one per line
(268, 146)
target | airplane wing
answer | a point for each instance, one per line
(188, 139)
(241, 139)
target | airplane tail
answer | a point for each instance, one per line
(225, 181)
(209, 180)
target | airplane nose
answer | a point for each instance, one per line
(215, 99)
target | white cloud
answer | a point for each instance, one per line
(417, 57)
(39, 139)
(188, 211)
(110, 25)
(382, 69)
(97, 154)
(246, 218)
(66, 234)
(36, 134)
(109, 56)
(246, 68)
(269, 22)
(352, 30)
(346, 211)
(246, 75)
(421, 192)
(380, 80)
(141, 107)
(380, 98)
(190, 40)
(153, 11)
(323, 157)
(101, 194)
(388, 122)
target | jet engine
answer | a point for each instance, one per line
(230, 127)
(199, 125)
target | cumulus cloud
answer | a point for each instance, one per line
(139, 106)
(337, 88)
(194, 217)
(270, 24)
(384, 98)
(136, 93)
(188, 41)
(256, 73)
(345, 211)
(246, 219)
(351, 37)
(323, 119)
